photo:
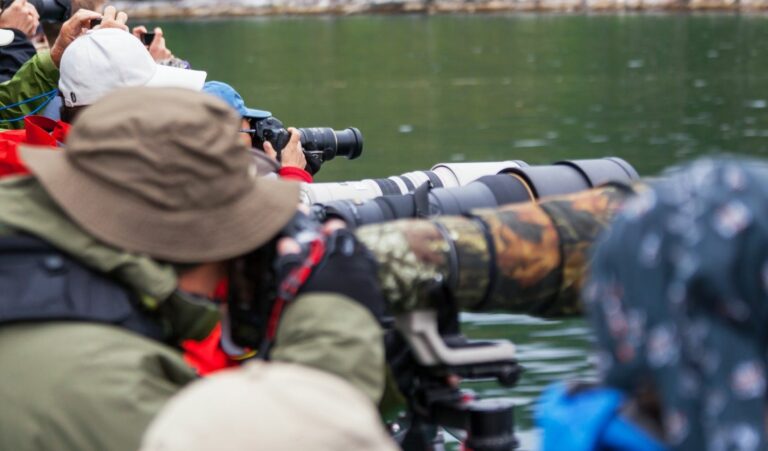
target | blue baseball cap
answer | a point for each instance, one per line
(228, 94)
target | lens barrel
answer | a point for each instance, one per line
(443, 175)
(570, 176)
(347, 143)
(485, 192)
(518, 184)
(460, 174)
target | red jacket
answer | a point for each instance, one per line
(39, 131)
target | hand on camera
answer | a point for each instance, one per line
(112, 18)
(292, 155)
(80, 23)
(157, 47)
(348, 268)
(21, 16)
(75, 26)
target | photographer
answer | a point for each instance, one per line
(292, 161)
(97, 63)
(34, 84)
(105, 272)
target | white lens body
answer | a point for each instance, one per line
(460, 174)
(450, 174)
(326, 192)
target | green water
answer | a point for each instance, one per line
(655, 90)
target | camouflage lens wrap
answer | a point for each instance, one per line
(579, 219)
(525, 258)
(542, 249)
(471, 259)
(414, 258)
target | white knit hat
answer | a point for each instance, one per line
(268, 406)
(106, 59)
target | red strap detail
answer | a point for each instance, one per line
(222, 290)
(290, 286)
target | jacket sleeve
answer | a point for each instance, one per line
(14, 55)
(335, 334)
(297, 174)
(37, 76)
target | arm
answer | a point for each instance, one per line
(14, 55)
(41, 73)
(87, 386)
(37, 76)
(333, 333)
(295, 173)
(333, 324)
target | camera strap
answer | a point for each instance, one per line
(288, 290)
(48, 96)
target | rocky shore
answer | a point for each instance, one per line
(232, 8)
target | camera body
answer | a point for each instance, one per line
(256, 281)
(319, 144)
(147, 38)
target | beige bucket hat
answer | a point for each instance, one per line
(268, 406)
(163, 172)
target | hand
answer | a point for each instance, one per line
(157, 47)
(113, 19)
(21, 16)
(73, 28)
(292, 156)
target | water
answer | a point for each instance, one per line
(655, 90)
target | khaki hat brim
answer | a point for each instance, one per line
(138, 226)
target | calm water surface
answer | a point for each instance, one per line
(655, 90)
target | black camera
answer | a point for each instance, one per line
(147, 38)
(320, 144)
(49, 10)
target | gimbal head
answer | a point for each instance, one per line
(441, 351)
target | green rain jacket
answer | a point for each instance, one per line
(85, 386)
(37, 76)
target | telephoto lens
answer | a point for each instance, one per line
(442, 175)
(570, 176)
(527, 257)
(460, 174)
(519, 184)
(347, 143)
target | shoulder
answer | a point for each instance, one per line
(88, 386)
